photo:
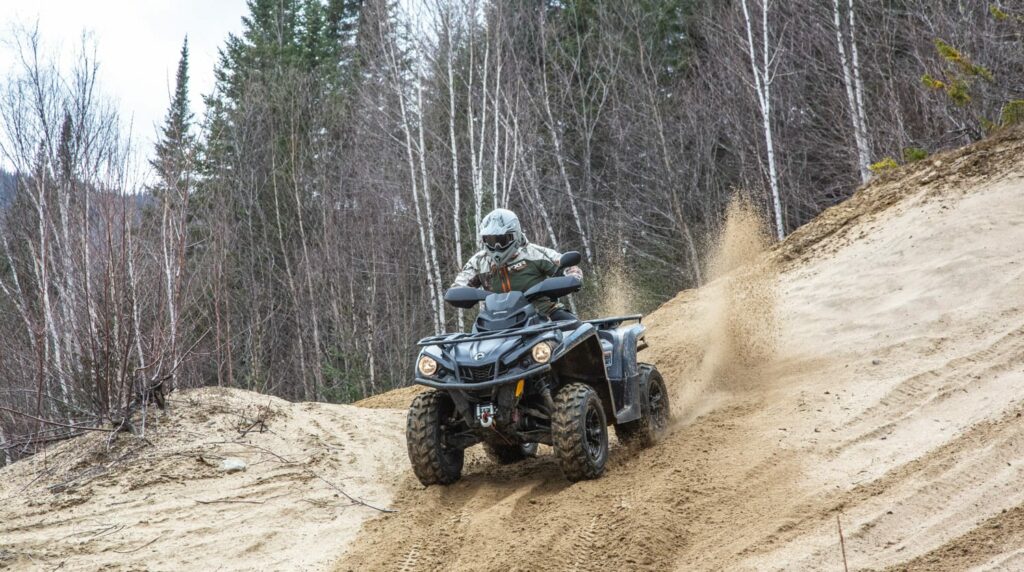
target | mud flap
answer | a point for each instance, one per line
(631, 392)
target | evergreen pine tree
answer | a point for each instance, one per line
(176, 146)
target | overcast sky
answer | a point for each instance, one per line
(137, 45)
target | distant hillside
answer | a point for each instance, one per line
(6, 187)
(8, 183)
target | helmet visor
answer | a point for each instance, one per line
(498, 241)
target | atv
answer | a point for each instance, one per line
(519, 379)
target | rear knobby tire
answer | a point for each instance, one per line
(508, 454)
(655, 411)
(579, 432)
(433, 462)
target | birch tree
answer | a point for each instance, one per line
(556, 141)
(425, 186)
(387, 40)
(476, 153)
(854, 88)
(763, 78)
(448, 30)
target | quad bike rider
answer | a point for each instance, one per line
(508, 262)
(530, 372)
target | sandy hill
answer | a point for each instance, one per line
(165, 502)
(868, 371)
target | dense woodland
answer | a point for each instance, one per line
(296, 237)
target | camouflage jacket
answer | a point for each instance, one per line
(530, 265)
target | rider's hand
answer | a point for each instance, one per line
(573, 271)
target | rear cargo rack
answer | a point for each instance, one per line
(614, 322)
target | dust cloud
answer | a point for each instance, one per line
(618, 295)
(734, 328)
(730, 328)
(740, 312)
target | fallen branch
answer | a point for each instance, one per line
(264, 449)
(54, 423)
(262, 427)
(842, 543)
(234, 501)
(38, 440)
(348, 496)
(139, 547)
(309, 472)
(103, 529)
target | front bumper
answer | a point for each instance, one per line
(501, 380)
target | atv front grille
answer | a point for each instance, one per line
(476, 374)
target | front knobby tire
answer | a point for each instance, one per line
(579, 432)
(433, 462)
(655, 411)
(508, 454)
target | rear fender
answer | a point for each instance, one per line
(581, 360)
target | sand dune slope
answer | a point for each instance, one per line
(890, 396)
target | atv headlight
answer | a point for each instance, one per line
(427, 365)
(541, 352)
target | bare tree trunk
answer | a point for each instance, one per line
(318, 381)
(438, 288)
(556, 140)
(407, 131)
(3, 446)
(42, 270)
(495, 105)
(476, 155)
(863, 158)
(296, 300)
(133, 288)
(509, 171)
(69, 301)
(533, 196)
(560, 159)
(679, 214)
(456, 207)
(762, 85)
(371, 335)
(859, 85)
(166, 237)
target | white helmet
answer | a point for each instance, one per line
(501, 235)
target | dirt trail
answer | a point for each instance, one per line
(886, 387)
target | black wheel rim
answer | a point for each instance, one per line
(594, 433)
(659, 404)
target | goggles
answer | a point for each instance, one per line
(498, 241)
